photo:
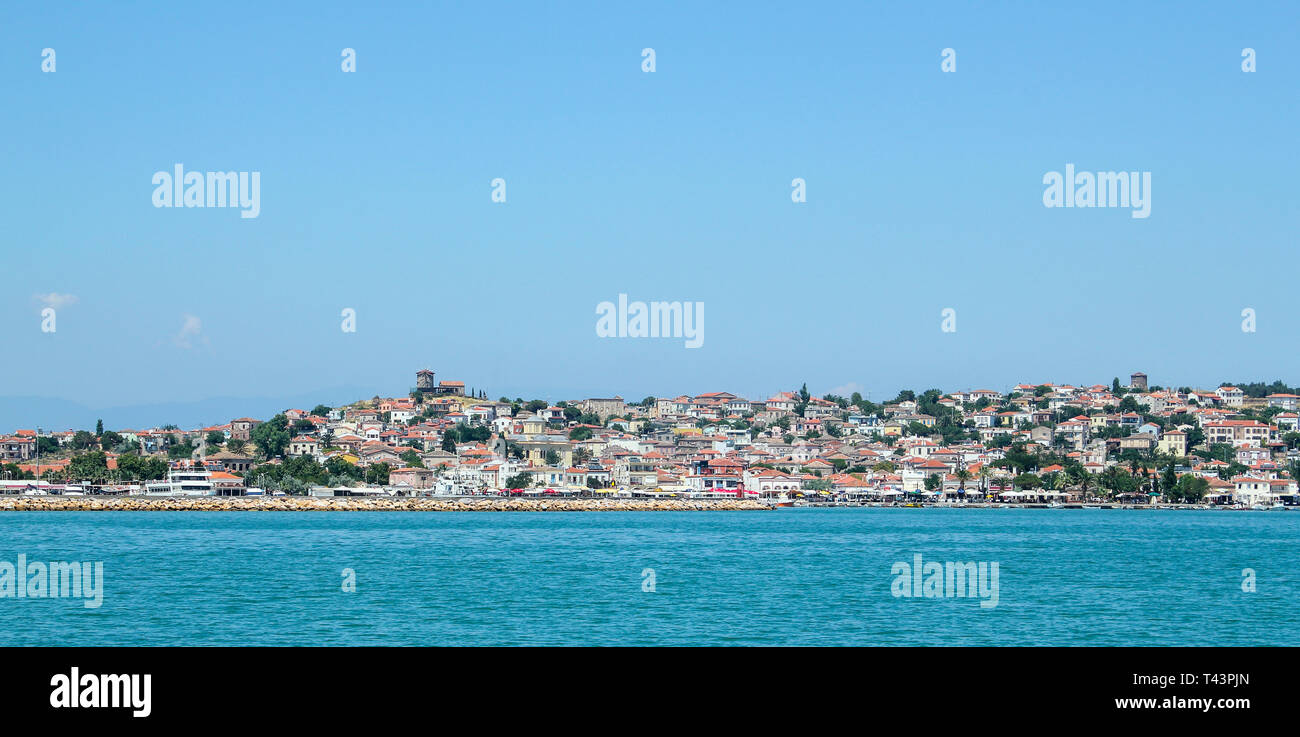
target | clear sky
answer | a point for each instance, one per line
(924, 192)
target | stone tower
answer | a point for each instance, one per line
(424, 381)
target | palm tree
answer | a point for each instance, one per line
(1085, 478)
(962, 477)
(1002, 482)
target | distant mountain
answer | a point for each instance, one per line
(62, 414)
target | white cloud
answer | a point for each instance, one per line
(847, 389)
(191, 332)
(56, 300)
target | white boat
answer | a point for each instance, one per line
(1055, 505)
(182, 483)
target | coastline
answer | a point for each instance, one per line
(369, 504)
(486, 504)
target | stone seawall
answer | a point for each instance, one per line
(367, 504)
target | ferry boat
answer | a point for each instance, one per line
(182, 483)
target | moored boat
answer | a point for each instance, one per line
(182, 483)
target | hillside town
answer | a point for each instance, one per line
(1232, 445)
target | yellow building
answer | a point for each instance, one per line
(1174, 443)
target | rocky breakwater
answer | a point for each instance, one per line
(368, 504)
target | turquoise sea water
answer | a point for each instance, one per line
(792, 576)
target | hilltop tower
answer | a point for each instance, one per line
(424, 381)
(1138, 381)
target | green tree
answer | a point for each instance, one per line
(1168, 478)
(340, 467)
(377, 473)
(272, 437)
(1027, 481)
(962, 477)
(92, 466)
(82, 440)
(1115, 480)
(1192, 488)
(305, 469)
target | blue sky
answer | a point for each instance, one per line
(924, 192)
